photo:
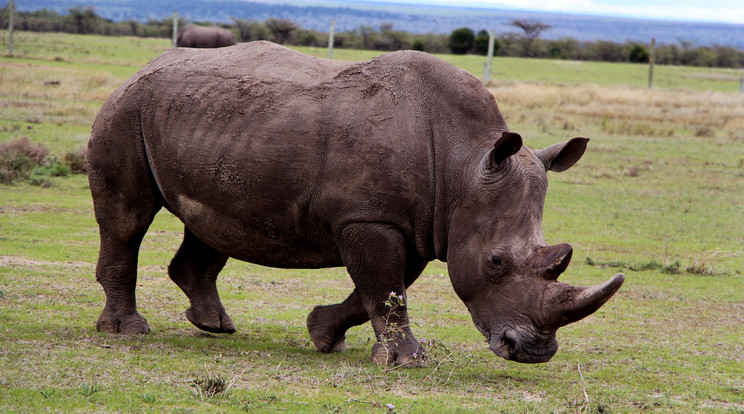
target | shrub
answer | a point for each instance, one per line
(52, 168)
(308, 39)
(481, 43)
(77, 160)
(461, 41)
(705, 131)
(19, 158)
(638, 54)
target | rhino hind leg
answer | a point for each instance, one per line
(116, 271)
(195, 269)
(125, 203)
(121, 228)
(328, 324)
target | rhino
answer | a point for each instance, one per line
(281, 159)
(204, 37)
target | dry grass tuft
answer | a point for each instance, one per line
(702, 265)
(208, 387)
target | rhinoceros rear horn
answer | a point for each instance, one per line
(506, 146)
(550, 261)
(562, 156)
(564, 303)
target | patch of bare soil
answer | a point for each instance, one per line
(26, 262)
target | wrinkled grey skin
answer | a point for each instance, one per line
(204, 37)
(286, 160)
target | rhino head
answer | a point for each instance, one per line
(499, 262)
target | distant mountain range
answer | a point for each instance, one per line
(317, 15)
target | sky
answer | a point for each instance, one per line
(726, 11)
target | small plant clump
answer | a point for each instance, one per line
(206, 388)
(393, 302)
(86, 390)
(77, 160)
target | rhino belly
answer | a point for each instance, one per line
(257, 233)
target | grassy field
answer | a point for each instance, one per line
(657, 196)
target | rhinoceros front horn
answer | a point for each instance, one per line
(564, 304)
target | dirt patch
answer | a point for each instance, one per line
(18, 261)
(41, 208)
(25, 262)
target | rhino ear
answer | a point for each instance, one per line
(506, 146)
(562, 156)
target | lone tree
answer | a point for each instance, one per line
(366, 32)
(461, 40)
(281, 28)
(84, 19)
(481, 43)
(250, 29)
(638, 54)
(532, 30)
(393, 38)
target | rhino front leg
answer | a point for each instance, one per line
(327, 324)
(375, 255)
(194, 269)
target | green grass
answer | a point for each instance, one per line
(642, 203)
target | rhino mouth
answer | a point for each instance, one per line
(530, 349)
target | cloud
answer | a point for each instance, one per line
(696, 13)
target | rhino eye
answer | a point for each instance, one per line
(497, 267)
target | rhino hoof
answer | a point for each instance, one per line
(130, 325)
(214, 322)
(382, 355)
(325, 335)
(327, 345)
(390, 355)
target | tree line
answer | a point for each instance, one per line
(525, 42)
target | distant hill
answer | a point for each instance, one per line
(349, 15)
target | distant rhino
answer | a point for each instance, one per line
(287, 160)
(204, 37)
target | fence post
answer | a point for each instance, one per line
(330, 39)
(489, 60)
(651, 64)
(11, 10)
(175, 27)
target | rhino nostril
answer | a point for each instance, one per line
(509, 343)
